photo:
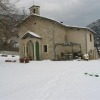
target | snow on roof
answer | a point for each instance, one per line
(86, 28)
(31, 33)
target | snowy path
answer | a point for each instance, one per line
(57, 87)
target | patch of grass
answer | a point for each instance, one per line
(91, 74)
(96, 75)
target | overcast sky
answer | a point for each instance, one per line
(70, 12)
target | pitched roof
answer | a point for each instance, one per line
(55, 22)
(29, 33)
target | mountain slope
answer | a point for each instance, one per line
(95, 26)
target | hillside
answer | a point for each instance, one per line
(95, 26)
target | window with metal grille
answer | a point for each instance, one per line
(45, 48)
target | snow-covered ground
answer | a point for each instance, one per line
(49, 80)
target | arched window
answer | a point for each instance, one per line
(91, 37)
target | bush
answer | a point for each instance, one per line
(96, 75)
(26, 60)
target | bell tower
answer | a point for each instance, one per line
(35, 10)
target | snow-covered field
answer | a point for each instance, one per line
(49, 80)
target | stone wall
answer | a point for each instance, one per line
(9, 52)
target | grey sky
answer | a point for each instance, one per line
(70, 12)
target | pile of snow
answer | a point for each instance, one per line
(49, 80)
(4, 57)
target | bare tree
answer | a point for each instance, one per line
(8, 18)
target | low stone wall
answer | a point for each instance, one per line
(9, 52)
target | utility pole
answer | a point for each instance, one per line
(54, 52)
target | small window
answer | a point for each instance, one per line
(34, 11)
(45, 48)
(90, 37)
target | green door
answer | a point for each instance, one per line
(33, 52)
(37, 51)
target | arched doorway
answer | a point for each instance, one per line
(30, 49)
(37, 51)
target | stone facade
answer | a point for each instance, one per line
(51, 33)
(54, 36)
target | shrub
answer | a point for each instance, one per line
(96, 75)
(26, 60)
(21, 60)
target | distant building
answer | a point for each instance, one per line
(43, 38)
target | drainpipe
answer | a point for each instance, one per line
(34, 51)
(86, 42)
(54, 52)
